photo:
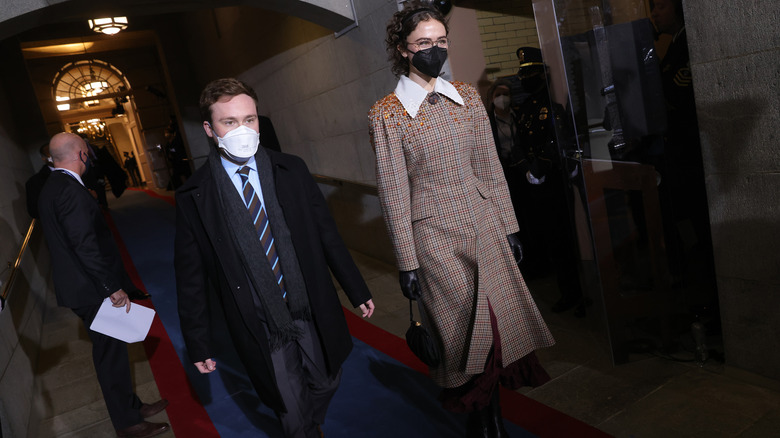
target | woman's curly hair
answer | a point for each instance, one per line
(401, 25)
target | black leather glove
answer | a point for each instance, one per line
(517, 247)
(409, 284)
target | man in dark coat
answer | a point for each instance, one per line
(87, 269)
(280, 304)
(682, 192)
(34, 185)
(131, 166)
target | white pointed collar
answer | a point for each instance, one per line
(411, 94)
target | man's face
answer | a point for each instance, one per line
(664, 17)
(230, 112)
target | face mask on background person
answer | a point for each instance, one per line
(501, 102)
(85, 158)
(241, 142)
(430, 61)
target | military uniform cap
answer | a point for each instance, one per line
(529, 57)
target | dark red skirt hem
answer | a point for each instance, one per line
(477, 392)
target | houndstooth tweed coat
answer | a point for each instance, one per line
(447, 209)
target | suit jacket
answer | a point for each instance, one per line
(86, 263)
(205, 254)
(33, 188)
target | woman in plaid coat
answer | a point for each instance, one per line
(447, 208)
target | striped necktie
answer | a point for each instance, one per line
(260, 219)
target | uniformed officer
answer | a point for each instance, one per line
(546, 229)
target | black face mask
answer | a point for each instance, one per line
(430, 61)
(87, 162)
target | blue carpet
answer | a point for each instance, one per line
(378, 397)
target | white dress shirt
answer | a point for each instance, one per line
(232, 171)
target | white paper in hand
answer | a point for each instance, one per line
(117, 323)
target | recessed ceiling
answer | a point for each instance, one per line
(76, 46)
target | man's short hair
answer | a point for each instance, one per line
(220, 88)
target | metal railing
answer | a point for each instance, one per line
(15, 266)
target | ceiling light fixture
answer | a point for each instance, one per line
(108, 26)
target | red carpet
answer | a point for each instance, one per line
(153, 194)
(188, 418)
(186, 414)
(535, 417)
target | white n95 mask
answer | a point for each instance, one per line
(502, 102)
(241, 142)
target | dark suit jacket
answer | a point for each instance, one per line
(204, 254)
(33, 188)
(86, 263)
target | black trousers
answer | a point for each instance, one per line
(304, 383)
(112, 366)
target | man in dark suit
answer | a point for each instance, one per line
(34, 185)
(279, 301)
(131, 166)
(87, 269)
(682, 191)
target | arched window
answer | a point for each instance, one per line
(88, 84)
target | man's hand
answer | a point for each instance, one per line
(367, 308)
(119, 299)
(517, 247)
(410, 286)
(206, 366)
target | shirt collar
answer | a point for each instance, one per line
(232, 168)
(71, 173)
(411, 94)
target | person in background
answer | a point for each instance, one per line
(544, 195)
(450, 219)
(34, 185)
(682, 189)
(87, 269)
(176, 155)
(503, 125)
(94, 178)
(499, 111)
(131, 166)
(253, 223)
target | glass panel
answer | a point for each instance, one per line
(637, 245)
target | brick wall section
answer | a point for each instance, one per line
(505, 26)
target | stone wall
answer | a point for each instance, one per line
(735, 47)
(20, 321)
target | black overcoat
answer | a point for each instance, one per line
(204, 253)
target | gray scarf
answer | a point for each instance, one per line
(279, 315)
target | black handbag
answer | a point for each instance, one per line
(422, 343)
